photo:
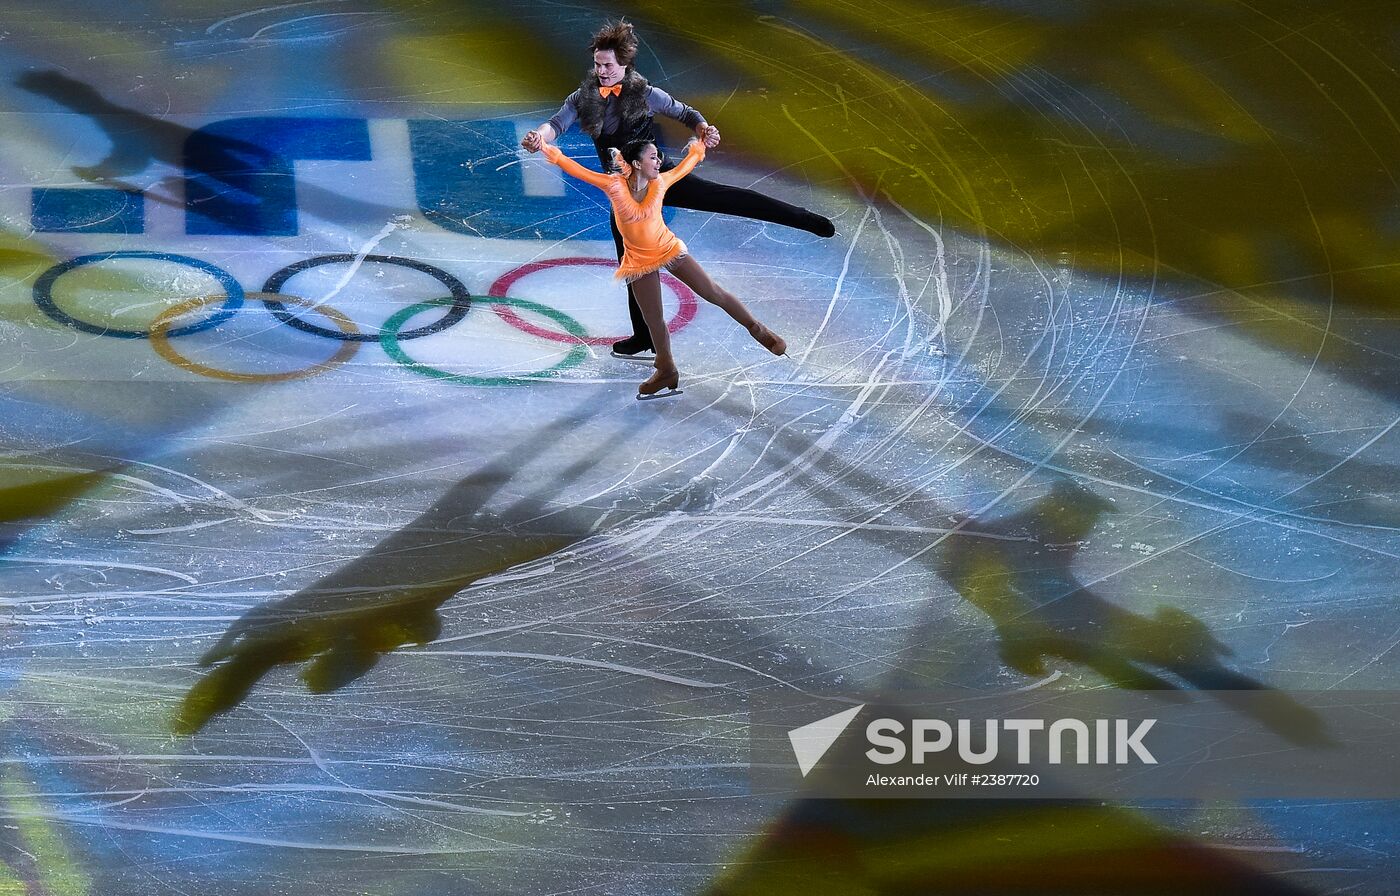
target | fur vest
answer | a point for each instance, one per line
(636, 117)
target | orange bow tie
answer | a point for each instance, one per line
(615, 90)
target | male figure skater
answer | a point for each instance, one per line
(614, 105)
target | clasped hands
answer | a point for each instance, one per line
(533, 141)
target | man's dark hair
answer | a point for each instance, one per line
(619, 37)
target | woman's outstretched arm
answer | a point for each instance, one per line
(693, 154)
(574, 169)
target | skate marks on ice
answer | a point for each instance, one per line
(1042, 616)
(1017, 570)
(1025, 585)
(340, 626)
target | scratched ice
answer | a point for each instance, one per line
(454, 613)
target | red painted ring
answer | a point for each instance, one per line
(689, 304)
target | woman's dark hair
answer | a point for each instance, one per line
(618, 37)
(634, 148)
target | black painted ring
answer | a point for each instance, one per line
(461, 298)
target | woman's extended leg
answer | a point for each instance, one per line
(694, 276)
(648, 292)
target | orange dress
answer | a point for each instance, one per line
(648, 244)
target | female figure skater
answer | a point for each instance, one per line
(636, 193)
(615, 105)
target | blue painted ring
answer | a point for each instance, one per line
(43, 293)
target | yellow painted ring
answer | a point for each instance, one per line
(160, 340)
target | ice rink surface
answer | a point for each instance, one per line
(1094, 387)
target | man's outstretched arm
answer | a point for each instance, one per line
(550, 130)
(662, 103)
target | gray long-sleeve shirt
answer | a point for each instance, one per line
(658, 101)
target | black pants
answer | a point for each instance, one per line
(702, 195)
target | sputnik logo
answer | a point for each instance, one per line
(810, 742)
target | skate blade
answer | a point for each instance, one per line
(639, 358)
(666, 393)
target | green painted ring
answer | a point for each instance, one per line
(389, 339)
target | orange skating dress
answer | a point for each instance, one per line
(647, 243)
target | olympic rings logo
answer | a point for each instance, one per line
(455, 306)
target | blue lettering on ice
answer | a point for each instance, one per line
(240, 180)
(240, 177)
(87, 210)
